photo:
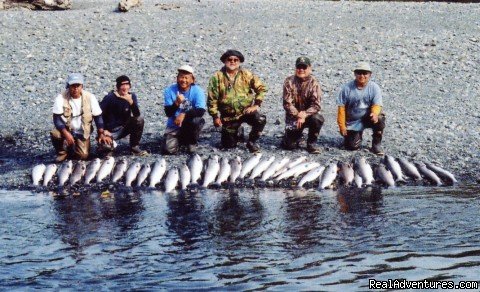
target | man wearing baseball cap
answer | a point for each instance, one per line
(234, 97)
(73, 112)
(360, 107)
(301, 100)
(185, 106)
(121, 115)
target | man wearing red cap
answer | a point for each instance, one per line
(234, 97)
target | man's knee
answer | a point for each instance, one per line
(317, 120)
(260, 120)
(170, 144)
(291, 139)
(56, 134)
(138, 121)
(353, 140)
(229, 138)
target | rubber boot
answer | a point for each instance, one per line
(377, 143)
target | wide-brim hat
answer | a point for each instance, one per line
(362, 66)
(230, 53)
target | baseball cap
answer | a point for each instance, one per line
(362, 66)
(303, 61)
(186, 68)
(75, 78)
(234, 53)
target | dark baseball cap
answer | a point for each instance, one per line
(303, 61)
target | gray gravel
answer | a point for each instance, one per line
(425, 58)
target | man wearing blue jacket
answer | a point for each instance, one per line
(185, 105)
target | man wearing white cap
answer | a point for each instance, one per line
(185, 105)
(73, 112)
(359, 107)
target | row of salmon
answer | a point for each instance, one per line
(216, 171)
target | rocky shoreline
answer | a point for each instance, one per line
(425, 57)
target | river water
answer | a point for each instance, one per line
(239, 240)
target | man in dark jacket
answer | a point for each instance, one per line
(121, 116)
(301, 101)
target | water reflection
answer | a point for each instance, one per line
(238, 215)
(302, 217)
(185, 217)
(354, 200)
(85, 220)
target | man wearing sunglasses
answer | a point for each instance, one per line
(234, 97)
(360, 107)
(73, 112)
(301, 100)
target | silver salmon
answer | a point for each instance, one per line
(261, 167)
(235, 169)
(184, 176)
(364, 170)
(64, 172)
(49, 173)
(409, 168)
(328, 176)
(384, 175)
(37, 173)
(171, 180)
(211, 172)
(249, 164)
(442, 173)
(78, 172)
(346, 173)
(92, 170)
(195, 164)
(119, 170)
(105, 169)
(132, 173)
(428, 174)
(143, 174)
(158, 170)
(224, 172)
(311, 175)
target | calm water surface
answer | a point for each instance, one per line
(249, 239)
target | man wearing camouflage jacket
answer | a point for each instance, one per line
(234, 97)
(301, 101)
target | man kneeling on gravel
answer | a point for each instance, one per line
(73, 112)
(359, 107)
(185, 106)
(234, 97)
(122, 117)
(301, 101)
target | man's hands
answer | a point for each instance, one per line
(374, 118)
(128, 98)
(179, 119)
(217, 122)
(343, 132)
(68, 137)
(180, 98)
(104, 138)
(301, 116)
(251, 109)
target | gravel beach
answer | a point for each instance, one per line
(425, 57)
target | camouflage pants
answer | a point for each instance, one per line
(292, 136)
(353, 140)
(80, 150)
(230, 129)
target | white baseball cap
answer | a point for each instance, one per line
(186, 68)
(75, 78)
